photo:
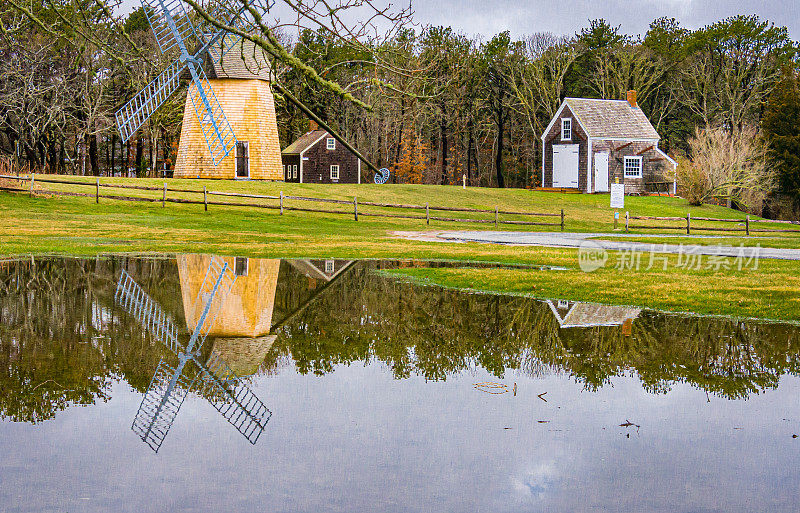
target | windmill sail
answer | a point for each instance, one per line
(234, 400)
(170, 23)
(160, 404)
(149, 314)
(216, 129)
(139, 109)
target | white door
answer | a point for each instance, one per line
(565, 165)
(601, 172)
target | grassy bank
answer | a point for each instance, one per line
(78, 226)
(770, 292)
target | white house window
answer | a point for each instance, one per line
(329, 264)
(566, 129)
(331, 143)
(334, 172)
(633, 167)
(294, 171)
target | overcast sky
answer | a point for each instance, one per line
(568, 16)
(488, 17)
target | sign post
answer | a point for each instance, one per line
(617, 195)
(617, 200)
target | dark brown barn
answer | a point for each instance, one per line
(590, 144)
(316, 157)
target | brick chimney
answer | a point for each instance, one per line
(632, 99)
(312, 125)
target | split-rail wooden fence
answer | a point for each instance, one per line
(746, 225)
(284, 203)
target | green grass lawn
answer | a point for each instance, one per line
(78, 226)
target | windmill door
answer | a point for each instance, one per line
(242, 159)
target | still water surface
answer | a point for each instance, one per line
(379, 397)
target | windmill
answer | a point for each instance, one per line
(215, 109)
(213, 378)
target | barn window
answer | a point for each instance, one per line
(329, 266)
(566, 129)
(294, 171)
(633, 167)
(334, 172)
(331, 143)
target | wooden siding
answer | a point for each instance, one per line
(291, 160)
(553, 137)
(655, 168)
(318, 159)
(247, 311)
(250, 109)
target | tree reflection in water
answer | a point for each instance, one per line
(63, 341)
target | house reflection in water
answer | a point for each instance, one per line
(573, 314)
(320, 270)
(240, 333)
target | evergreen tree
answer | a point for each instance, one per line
(783, 132)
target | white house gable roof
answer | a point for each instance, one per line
(611, 119)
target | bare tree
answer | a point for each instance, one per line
(728, 166)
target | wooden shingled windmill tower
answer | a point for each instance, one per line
(229, 126)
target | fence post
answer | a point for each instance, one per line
(616, 217)
(562, 219)
(747, 225)
(627, 220)
(33, 178)
(281, 202)
(355, 208)
(97, 191)
(495, 216)
(464, 181)
(427, 214)
(164, 196)
(205, 199)
(688, 223)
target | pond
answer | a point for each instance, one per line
(328, 385)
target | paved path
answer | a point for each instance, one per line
(575, 240)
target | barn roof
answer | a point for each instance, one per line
(611, 119)
(304, 142)
(591, 314)
(245, 60)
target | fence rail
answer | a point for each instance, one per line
(742, 225)
(281, 203)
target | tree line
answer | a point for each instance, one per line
(432, 104)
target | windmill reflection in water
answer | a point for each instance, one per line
(213, 378)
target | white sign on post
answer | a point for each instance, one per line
(617, 195)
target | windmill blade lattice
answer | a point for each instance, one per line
(139, 109)
(149, 314)
(170, 23)
(233, 400)
(160, 404)
(217, 131)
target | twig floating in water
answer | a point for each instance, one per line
(540, 396)
(491, 388)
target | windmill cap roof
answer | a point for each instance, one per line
(244, 60)
(611, 119)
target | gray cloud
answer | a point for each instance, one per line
(568, 16)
